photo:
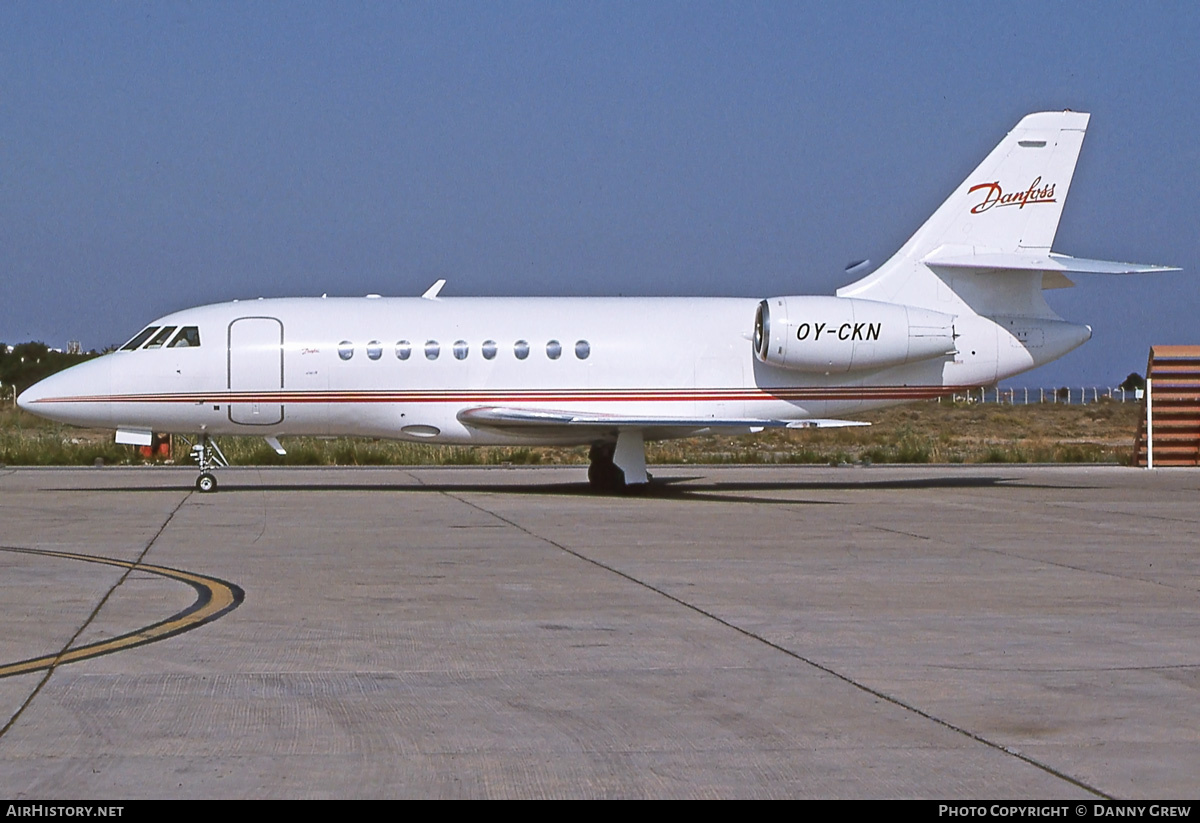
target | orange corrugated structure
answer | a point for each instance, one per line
(1169, 433)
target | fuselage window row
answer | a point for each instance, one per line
(405, 348)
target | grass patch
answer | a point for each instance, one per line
(928, 432)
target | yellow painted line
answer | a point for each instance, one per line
(214, 598)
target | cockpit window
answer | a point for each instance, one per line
(189, 336)
(140, 338)
(162, 337)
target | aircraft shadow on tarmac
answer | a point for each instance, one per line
(683, 488)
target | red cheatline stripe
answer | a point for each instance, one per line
(530, 396)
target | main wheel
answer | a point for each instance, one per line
(604, 476)
(206, 483)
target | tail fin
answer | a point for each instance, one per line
(1010, 204)
(1014, 199)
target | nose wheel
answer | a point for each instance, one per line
(208, 456)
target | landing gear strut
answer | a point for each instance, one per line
(208, 456)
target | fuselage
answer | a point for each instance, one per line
(407, 367)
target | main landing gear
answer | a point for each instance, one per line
(208, 456)
(603, 474)
(619, 466)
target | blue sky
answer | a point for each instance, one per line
(155, 156)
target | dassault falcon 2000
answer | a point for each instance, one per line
(959, 305)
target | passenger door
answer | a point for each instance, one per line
(256, 371)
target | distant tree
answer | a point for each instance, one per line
(28, 363)
(1133, 382)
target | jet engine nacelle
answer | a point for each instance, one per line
(840, 334)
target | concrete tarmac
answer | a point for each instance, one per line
(937, 632)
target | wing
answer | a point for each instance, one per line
(542, 421)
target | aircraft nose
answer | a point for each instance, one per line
(71, 396)
(30, 395)
(46, 390)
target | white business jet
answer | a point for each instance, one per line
(960, 305)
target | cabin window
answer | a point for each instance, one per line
(521, 349)
(188, 337)
(582, 349)
(374, 350)
(554, 350)
(403, 350)
(162, 337)
(432, 349)
(489, 349)
(460, 349)
(345, 350)
(140, 338)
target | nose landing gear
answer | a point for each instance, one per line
(208, 456)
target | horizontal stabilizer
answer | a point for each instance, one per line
(1054, 267)
(1051, 262)
(508, 418)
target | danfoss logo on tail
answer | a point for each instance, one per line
(993, 195)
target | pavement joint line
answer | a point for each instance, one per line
(895, 701)
(1041, 561)
(49, 671)
(896, 531)
(1081, 508)
(262, 496)
(1085, 570)
(1088, 509)
(1171, 667)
